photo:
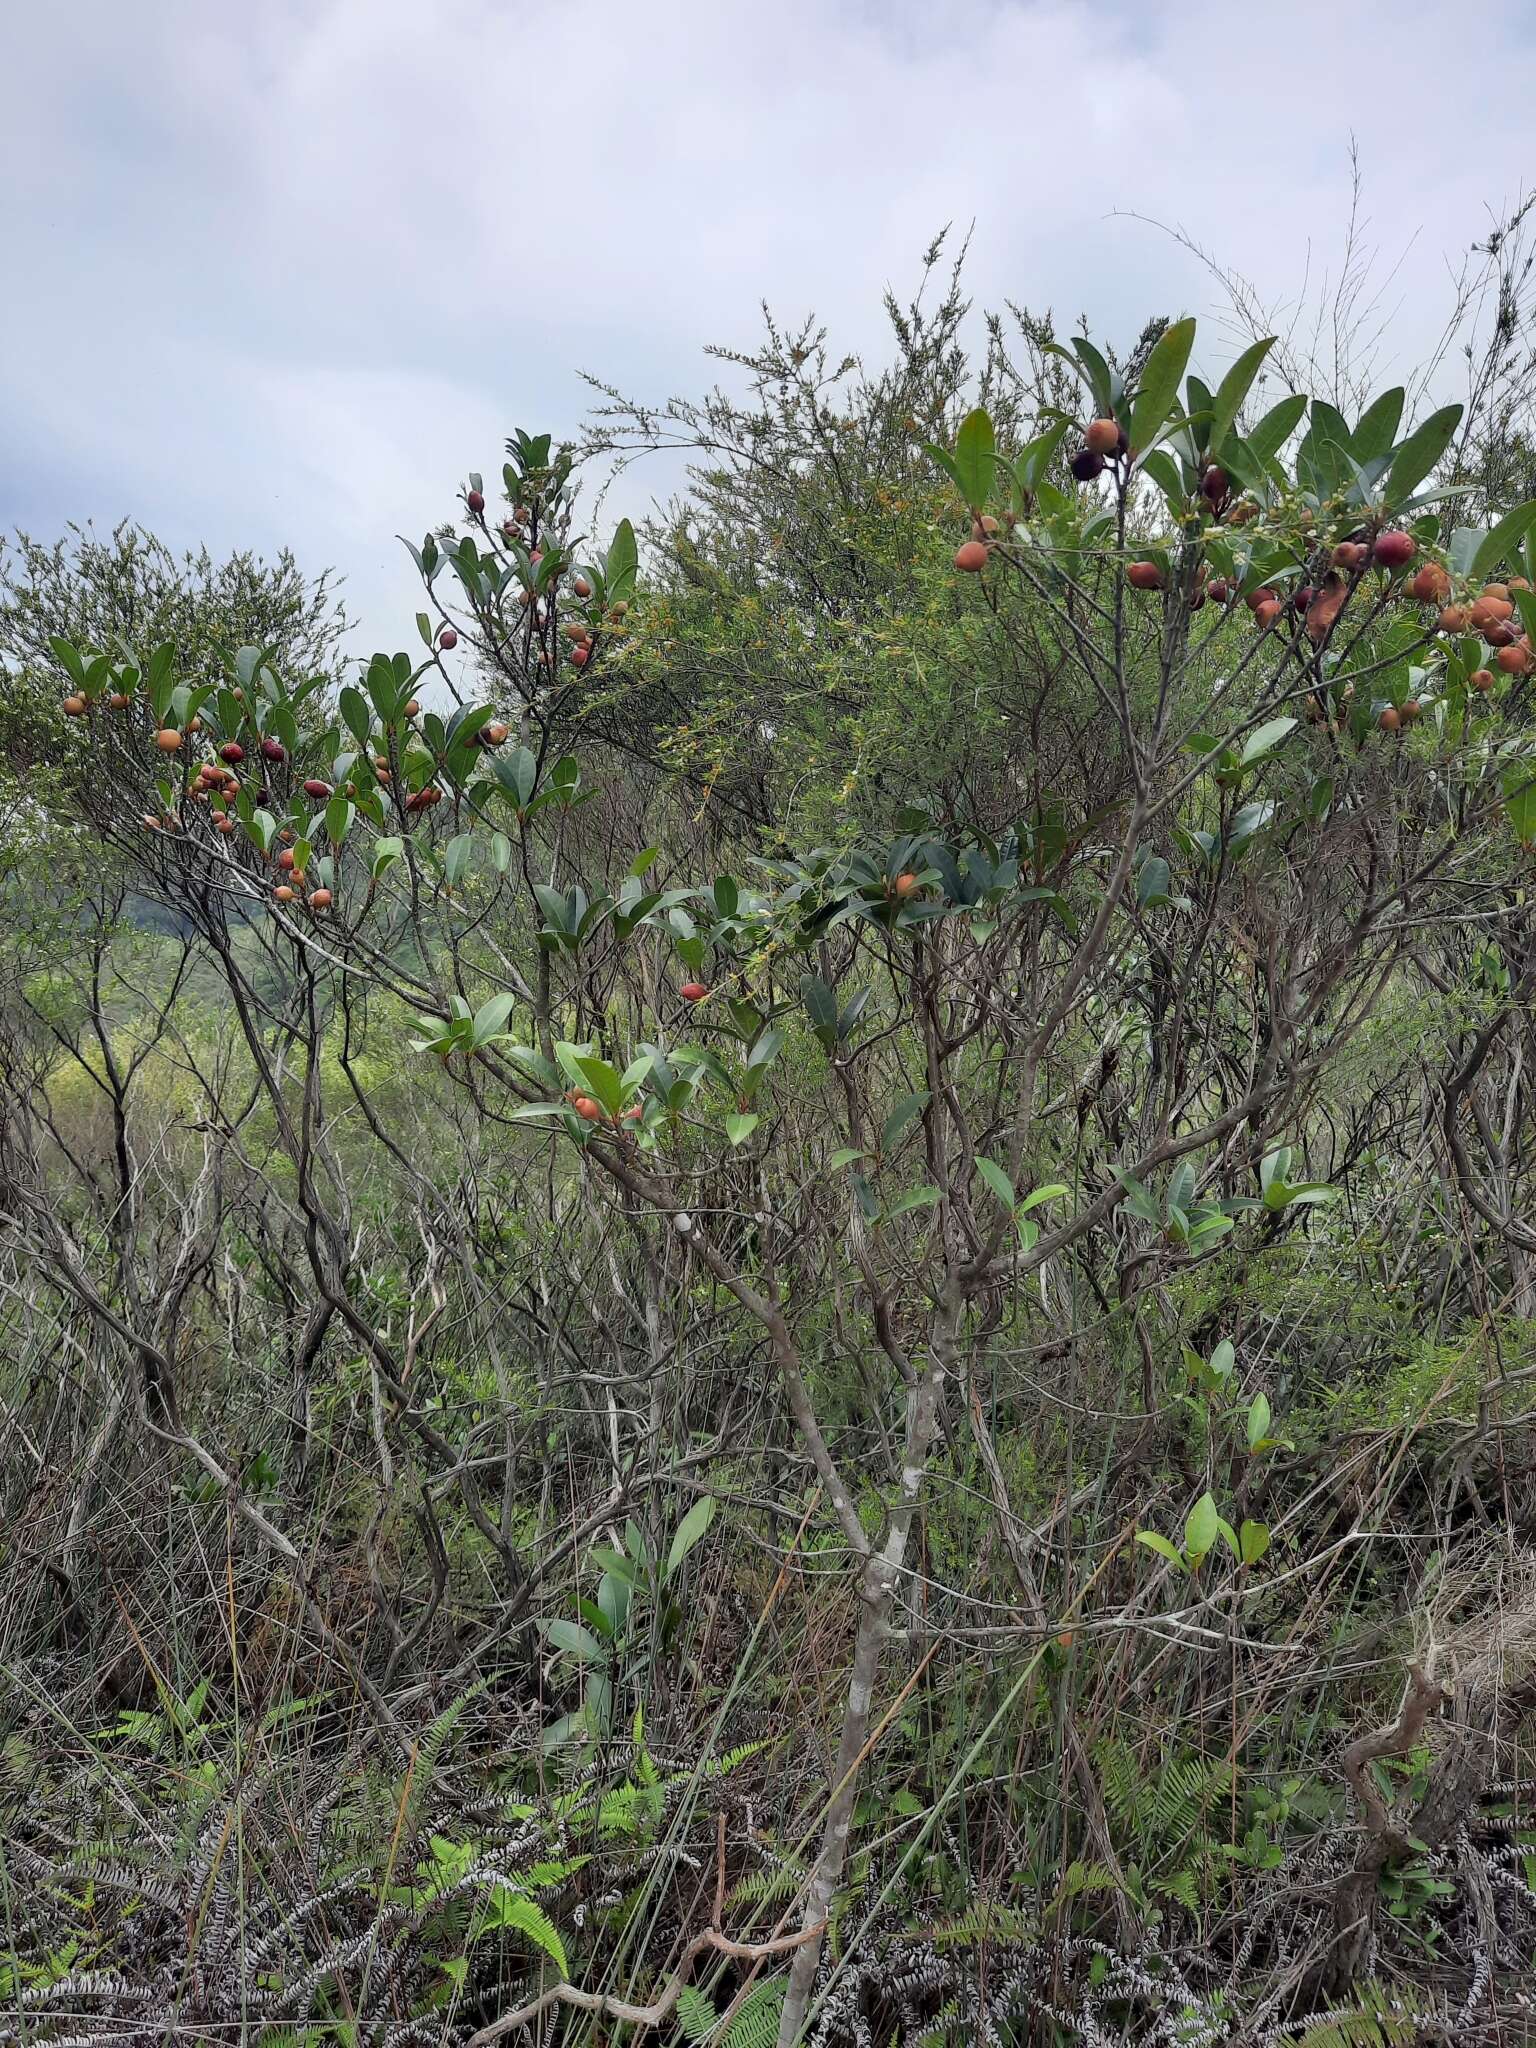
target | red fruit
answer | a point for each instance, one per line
(1220, 589)
(581, 655)
(1300, 599)
(1430, 585)
(509, 529)
(1515, 660)
(74, 707)
(118, 701)
(447, 639)
(411, 709)
(224, 823)
(1262, 596)
(1390, 719)
(903, 885)
(1395, 550)
(1086, 464)
(971, 557)
(231, 751)
(635, 1111)
(316, 788)
(168, 741)
(1411, 709)
(1144, 576)
(1215, 483)
(495, 733)
(475, 501)
(584, 1106)
(283, 893)
(582, 587)
(273, 750)
(1490, 610)
(1502, 633)
(694, 991)
(285, 859)
(1267, 613)
(319, 899)
(1454, 619)
(1103, 436)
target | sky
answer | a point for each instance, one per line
(285, 274)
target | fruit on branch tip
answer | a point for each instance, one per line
(582, 588)
(495, 733)
(1454, 619)
(1263, 595)
(118, 700)
(971, 557)
(694, 991)
(1430, 585)
(1480, 679)
(1502, 633)
(1086, 464)
(1103, 436)
(232, 751)
(316, 788)
(319, 899)
(1267, 613)
(1515, 660)
(1411, 709)
(168, 740)
(1219, 589)
(584, 1106)
(273, 750)
(475, 500)
(223, 822)
(411, 710)
(903, 885)
(1351, 554)
(1300, 599)
(283, 893)
(1390, 719)
(1394, 549)
(448, 639)
(1144, 576)
(1215, 483)
(285, 859)
(74, 707)
(581, 655)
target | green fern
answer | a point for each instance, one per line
(1378, 2019)
(985, 1922)
(756, 2025)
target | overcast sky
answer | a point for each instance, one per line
(285, 273)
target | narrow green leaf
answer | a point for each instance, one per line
(1160, 382)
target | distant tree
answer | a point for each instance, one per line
(130, 588)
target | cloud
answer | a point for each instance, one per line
(287, 274)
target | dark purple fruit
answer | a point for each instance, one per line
(1086, 465)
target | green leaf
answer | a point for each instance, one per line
(1519, 785)
(1420, 452)
(1502, 541)
(1252, 1541)
(1258, 1420)
(689, 1531)
(915, 1198)
(976, 457)
(1376, 427)
(906, 1109)
(1234, 388)
(843, 1156)
(1264, 742)
(1049, 1193)
(1202, 1528)
(997, 1180)
(1161, 1545)
(571, 1636)
(623, 563)
(1277, 426)
(491, 1019)
(740, 1125)
(1160, 382)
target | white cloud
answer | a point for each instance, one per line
(289, 273)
